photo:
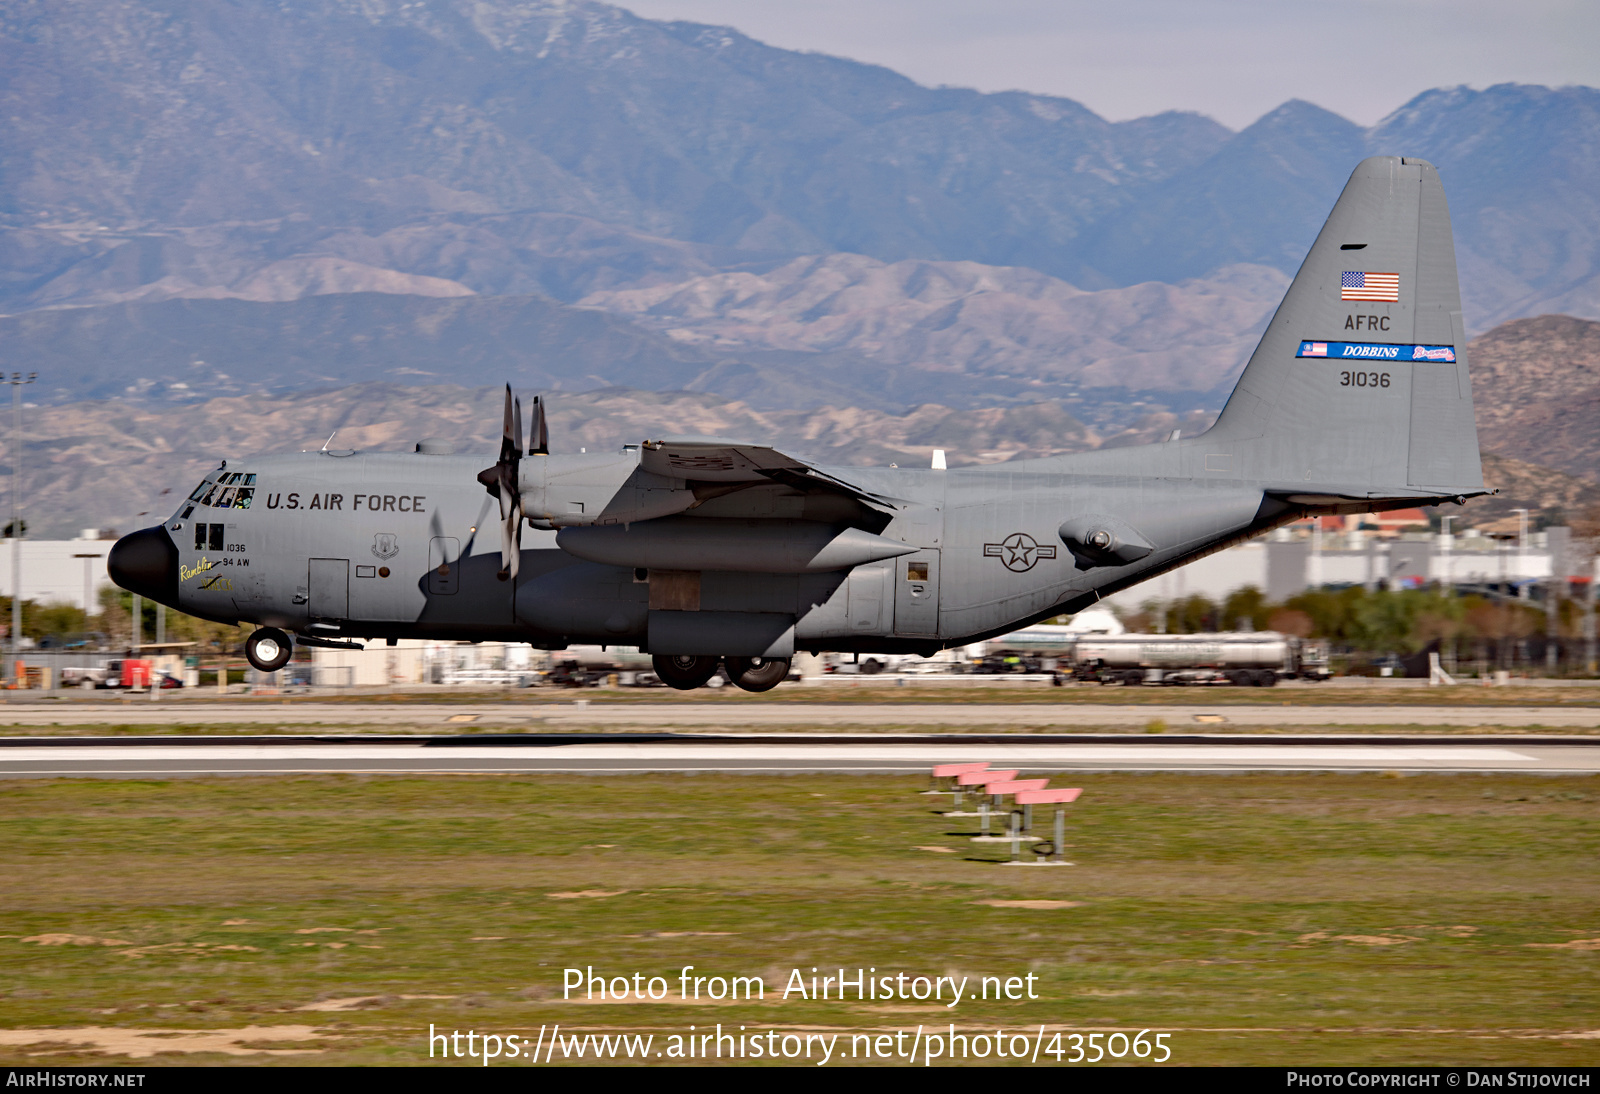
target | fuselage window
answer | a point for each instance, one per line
(225, 499)
(200, 490)
(242, 499)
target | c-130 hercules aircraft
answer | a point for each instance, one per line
(704, 551)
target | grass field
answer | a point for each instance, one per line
(1295, 919)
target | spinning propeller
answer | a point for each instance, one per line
(503, 482)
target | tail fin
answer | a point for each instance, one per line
(1359, 387)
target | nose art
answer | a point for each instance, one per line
(146, 562)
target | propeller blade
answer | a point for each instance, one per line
(511, 543)
(503, 481)
(539, 441)
(510, 443)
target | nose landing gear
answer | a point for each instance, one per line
(268, 649)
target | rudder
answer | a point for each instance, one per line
(1360, 385)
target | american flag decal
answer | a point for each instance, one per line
(1356, 285)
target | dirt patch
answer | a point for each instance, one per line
(188, 948)
(63, 939)
(673, 997)
(1575, 944)
(937, 850)
(354, 1002)
(580, 894)
(1040, 904)
(1359, 939)
(363, 1002)
(139, 1043)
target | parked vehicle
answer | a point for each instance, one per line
(1252, 658)
(107, 674)
(590, 666)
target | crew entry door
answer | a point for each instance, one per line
(916, 594)
(329, 588)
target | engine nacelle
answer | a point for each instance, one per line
(742, 546)
(571, 491)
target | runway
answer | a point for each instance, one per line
(769, 754)
(631, 714)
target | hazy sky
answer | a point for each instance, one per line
(1232, 59)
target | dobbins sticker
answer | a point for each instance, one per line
(1376, 351)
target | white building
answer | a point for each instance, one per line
(414, 661)
(69, 571)
(1282, 564)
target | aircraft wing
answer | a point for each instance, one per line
(717, 460)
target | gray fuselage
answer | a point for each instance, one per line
(385, 545)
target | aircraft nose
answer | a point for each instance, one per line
(146, 562)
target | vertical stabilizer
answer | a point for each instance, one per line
(1360, 386)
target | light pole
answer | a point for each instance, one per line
(16, 381)
(88, 589)
(1522, 550)
(1446, 542)
(1589, 637)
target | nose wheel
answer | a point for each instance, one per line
(269, 649)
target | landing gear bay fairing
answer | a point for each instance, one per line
(704, 551)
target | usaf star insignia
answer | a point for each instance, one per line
(1019, 551)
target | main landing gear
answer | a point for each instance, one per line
(757, 673)
(268, 649)
(686, 673)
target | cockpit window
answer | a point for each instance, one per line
(229, 490)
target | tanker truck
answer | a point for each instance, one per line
(1246, 658)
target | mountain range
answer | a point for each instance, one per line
(231, 227)
(559, 192)
(120, 461)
